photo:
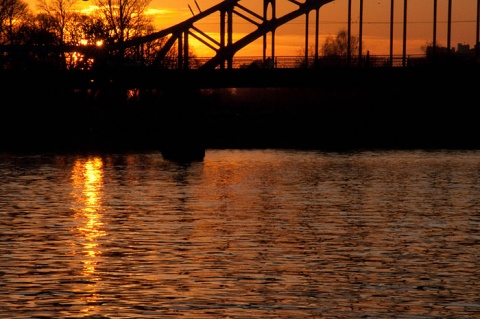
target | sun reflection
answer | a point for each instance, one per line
(87, 184)
(87, 178)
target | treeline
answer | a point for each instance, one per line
(45, 37)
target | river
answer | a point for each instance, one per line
(257, 233)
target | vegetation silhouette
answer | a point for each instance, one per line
(58, 36)
(334, 52)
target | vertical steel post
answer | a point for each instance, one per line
(317, 30)
(404, 53)
(306, 39)
(274, 16)
(222, 35)
(477, 37)
(392, 6)
(230, 35)
(434, 41)
(449, 27)
(349, 32)
(266, 4)
(265, 12)
(360, 34)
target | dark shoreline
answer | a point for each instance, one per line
(418, 108)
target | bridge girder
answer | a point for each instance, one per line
(225, 48)
(267, 26)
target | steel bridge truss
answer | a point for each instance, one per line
(225, 47)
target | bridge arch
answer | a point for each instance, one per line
(225, 48)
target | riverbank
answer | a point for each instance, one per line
(344, 110)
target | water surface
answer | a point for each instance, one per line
(243, 234)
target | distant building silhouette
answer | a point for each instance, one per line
(463, 52)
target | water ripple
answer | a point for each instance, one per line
(243, 234)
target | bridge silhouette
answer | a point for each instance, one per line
(265, 24)
(225, 47)
(364, 106)
(273, 71)
(177, 38)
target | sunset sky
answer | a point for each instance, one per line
(333, 17)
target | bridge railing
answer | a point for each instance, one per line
(281, 62)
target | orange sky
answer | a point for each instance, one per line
(290, 38)
(333, 17)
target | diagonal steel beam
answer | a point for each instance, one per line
(229, 51)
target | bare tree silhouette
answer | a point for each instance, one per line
(335, 49)
(60, 12)
(125, 19)
(12, 14)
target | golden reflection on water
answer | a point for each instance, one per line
(87, 184)
(258, 234)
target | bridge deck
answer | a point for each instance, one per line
(140, 78)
